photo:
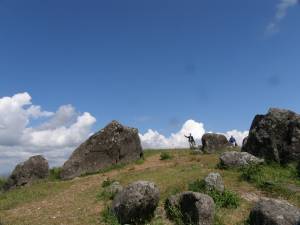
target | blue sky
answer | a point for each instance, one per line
(153, 64)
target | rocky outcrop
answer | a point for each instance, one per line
(275, 136)
(112, 145)
(213, 142)
(214, 181)
(195, 208)
(238, 159)
(35, 168)
(136, 203)
(274, 212)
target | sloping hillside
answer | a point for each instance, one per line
(77, 201)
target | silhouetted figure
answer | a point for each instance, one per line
(232, 141)
(191, 141)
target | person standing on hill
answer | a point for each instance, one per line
(191, 141)
(232, 141)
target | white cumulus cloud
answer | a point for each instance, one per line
(154, 140)
(55, 138)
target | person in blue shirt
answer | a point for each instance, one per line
(232, 141)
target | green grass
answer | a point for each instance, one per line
(2, 182)
(165, 156)
(273, 179)
(108, 217)
(107, 182)
(298, 169)
(55, 173)
(37, 191)
(226, 199)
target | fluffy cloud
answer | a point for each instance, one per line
(55, 138)
(281, 13)
(154, 140)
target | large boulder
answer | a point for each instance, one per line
(35, 168)
(136, 203)
(238, 159)
(275, 136)
(195, 208)
(214, 181)
(112, 145)
(274, 212)
(213, 142)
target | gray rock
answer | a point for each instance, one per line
(112, 145)
(238, 159)
(214, 181)
(136, 203)
(274, 212)
(245, 141)
(35, 168)
(275, 136)
(213, 142)
(195, 208)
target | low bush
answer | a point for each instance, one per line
(108, 217)
(226, 199)
(165, 156)
(107, 182)
(55, 173)
(2, 182)
(298, 169)
(252, 173)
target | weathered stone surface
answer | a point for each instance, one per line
(274, 212)
(238, 159)
(112, 145)
(35, 168)
(196, 208)
(136, 203)
(214, 181)
(275, 136)
(114, 188)
(213, 142)
(245, 141)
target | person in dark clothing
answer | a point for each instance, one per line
(191, 141)
(232, 141)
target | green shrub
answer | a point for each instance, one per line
(2, 182)
(174, 214)
(107, 182)
(197, 186)
(298, 169)
(55, 173)
(251, 173)
(165, 156)
(108, 217)
(226, 199)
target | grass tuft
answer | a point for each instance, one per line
(165, 156)
(108, 217)
(55, 173)
(226, 199)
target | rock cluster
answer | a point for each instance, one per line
(35, 168)
(112, 145)
(275, 136)
(213, 142)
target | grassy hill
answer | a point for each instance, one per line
(81, 201)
